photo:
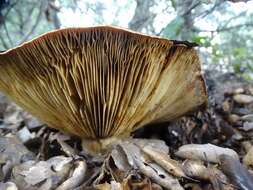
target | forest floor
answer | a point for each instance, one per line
(209, 149)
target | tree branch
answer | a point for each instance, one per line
(142, 16)
(37, 21)
(226, 28)
(7, 34)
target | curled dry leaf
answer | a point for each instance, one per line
(171, 166)
(226, 106)
(218, 180)
(37, 173)
(12, 152)
(76, 178)
(238, 91)
(58, 163)
(195, 169)
(243, 98)
(42, 174)
(246, 145)
(24, 134)
(158, 175)
(12, 149)
(205, 152)
(152, 143)
(13, 115)
(109, 186)
(104, 186)
(251, 90)
(248, 117)
(8, 186)
(247, 126)
(65, 147)
(241, 111)
(236, 172)
(120, 159)
(133, 158)
(17, 176)
(233, 118)
(248, 158)
(134, 181)
(30, 121)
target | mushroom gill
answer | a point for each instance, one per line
(102, 82)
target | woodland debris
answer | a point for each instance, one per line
(239, 90)
(247, 126)
(130, 156)
(31, 122)
(204, 152)
(158, 174)
(243, 98)
(196, 169)
(42, 174)
(119, 169)
(8, 186)
(13, 152)
(236, 172)
(241, 111)
(248, 158)
(113, 185)
(77, 177)
(248, 117)
(233, 118)
(13, 115)
(171, 166)
(25, 135)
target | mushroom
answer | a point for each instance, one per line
(101, 83)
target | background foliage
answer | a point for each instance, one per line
(222, 28)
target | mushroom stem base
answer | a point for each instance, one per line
(101, 146)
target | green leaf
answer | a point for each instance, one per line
(201, 40)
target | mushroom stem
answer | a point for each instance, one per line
(101, 146)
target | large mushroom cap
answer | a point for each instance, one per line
(102, 81)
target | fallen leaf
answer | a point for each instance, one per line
(24, 134)
(8, 186)
(243, 98)
(247, 126)
(236, 172)
(43, 174)
(76, 178)
(162, 159)
(248, 158)
(205, 152)
(195, 169)
(248, 117)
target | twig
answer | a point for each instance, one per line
(7, 34)
(227, 28)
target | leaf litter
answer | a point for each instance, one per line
(210, 150)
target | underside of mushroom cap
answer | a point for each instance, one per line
(100, 82)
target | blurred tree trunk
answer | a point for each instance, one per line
(184, 10)
(142, 16)
(51, 14)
